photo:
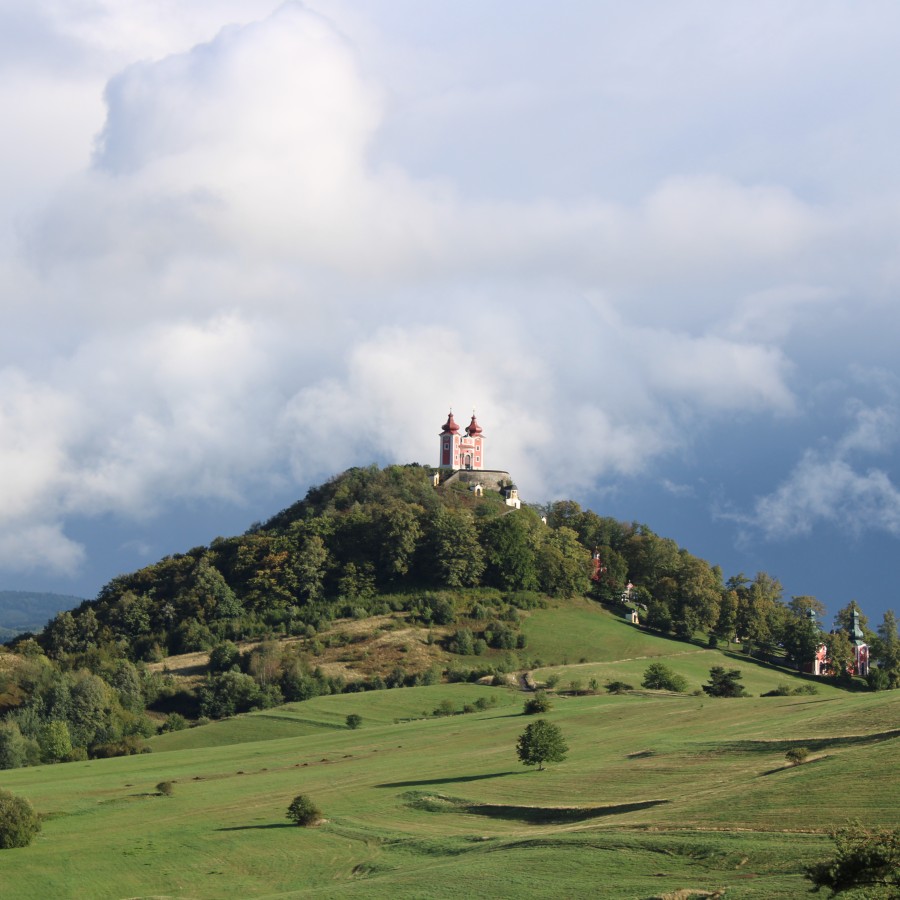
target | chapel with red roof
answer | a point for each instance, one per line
(461, 449)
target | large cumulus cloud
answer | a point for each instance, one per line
(235, 283)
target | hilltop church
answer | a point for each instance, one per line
(461, 458)
(461, 451)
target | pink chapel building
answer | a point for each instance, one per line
(821, 664)
(461, 458)
(461, 450)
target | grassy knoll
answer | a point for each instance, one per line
(657, 793)
(569, 631)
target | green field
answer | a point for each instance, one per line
(658, 793)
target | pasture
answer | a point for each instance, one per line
(659, 792)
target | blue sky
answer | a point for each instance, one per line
(245, 244)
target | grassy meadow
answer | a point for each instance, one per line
(658, 793)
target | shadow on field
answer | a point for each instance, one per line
(536, 815)
(258, 827)
(813, 744)
(460, 778)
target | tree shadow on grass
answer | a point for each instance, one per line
(258, 827)
(536, 815)
(813, 744)
(460, 778)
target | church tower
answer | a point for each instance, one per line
(461, 450)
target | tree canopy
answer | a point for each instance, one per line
(540, 743)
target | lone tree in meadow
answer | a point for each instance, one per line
(541, 742)
(724, 683)
(354, 720)
(303, 811)
(19, 823)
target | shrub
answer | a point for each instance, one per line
(165, 788)
(353, 720)
(19, 823)
(445, 708)
(797, 755)
(618, 687)
(552, 680)
(223, 656)
(174, 722)
(782, 690)
(659, 677)
(303, 811)
(539, 703)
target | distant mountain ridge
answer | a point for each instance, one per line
(22, 611)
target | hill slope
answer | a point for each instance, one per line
(657, 794)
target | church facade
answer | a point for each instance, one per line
(461, 449)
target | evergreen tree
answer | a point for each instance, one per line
(724, 683)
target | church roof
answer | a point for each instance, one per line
(450, 427)
(473, 427)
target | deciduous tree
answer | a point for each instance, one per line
(541, 742)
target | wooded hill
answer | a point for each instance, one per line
(372, 539)
(369, 543)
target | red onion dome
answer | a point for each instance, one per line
(450, 427)
(473, 427)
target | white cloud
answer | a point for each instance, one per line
(230, 287)
(828, 486)
(37, 547)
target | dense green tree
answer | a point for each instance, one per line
(91, 714)
(19, 823)
(14, 749)
(563, 513)
(613, 575)
(865, 858)
(224, 656)
(724, 683)
(564, 566)
(699, 594)
(229, 693)
(303, 811)
(61, 635)
(458, 558)
(509, 543)
(399, 537)
(55, 741)
(126, 681)
(804, 603)
(801, 636)
(757, 607)
(540, 743)
(728, 614)
(887, 649)
(841, 657)
(659, 677)
(843, 620)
